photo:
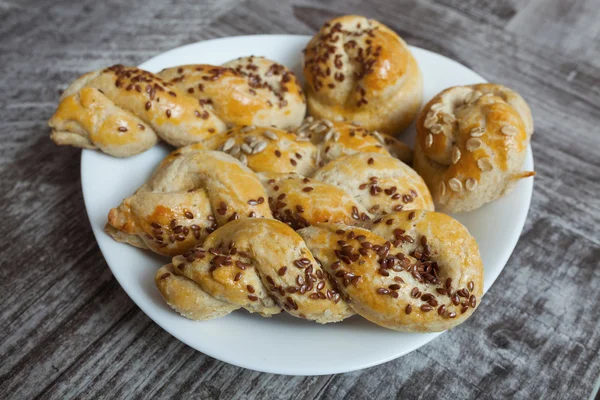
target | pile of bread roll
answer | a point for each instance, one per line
(266, 208)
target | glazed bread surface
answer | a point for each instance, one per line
(471, 145)
(359, 70)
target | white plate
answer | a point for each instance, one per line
(281, 344)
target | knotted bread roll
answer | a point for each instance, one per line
(419, 271)
(357, 69)
(245, 91)
(187, 198)
(124, 110)
(471, 145)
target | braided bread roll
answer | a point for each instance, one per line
(245, 91)
(121, 110)
(186, 199)
(357, 69)
(426, 277)
(471, 145)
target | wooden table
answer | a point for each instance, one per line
(69, 330)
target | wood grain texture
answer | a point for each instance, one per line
(70, 331)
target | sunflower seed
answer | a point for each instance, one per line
(473, 144)
(314, 126)
(435, 129)
(247, 128)
(246, 149)
(455, 185)
(243, 159)
(455, 155)
(328, 135)
(442, 188)
(429, 122)
(378, 136)
(228, 144)
(485, 164)
(470, 184)
(509, 130)
(428, 140)
(249, 139)
(260, 146)
(477, 132)
(336, 136)
(235, 150)
(270, 135)
(448, 119)
(320, 129)
(327, 123)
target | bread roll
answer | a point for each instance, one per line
(359, 70)
(471, 145)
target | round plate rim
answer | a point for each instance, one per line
(290, 371)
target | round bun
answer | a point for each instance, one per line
(246, 91)
(471, 145)
(357, 69)
(417, 271)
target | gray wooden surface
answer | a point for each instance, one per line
(68, 329)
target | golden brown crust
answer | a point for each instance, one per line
(359, 70)
(418, 271)
(116, 98)
(471, 145)
(186, 297)
(245, 91)
(301, 202)
(337, 139)
(123, 110)
(380, 183)
(240, 264)
(194, 190)
(91, 120)
(266, 149)
(314, 144)
(187, 198)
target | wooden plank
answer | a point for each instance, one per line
(70, 331)
(569, 27)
